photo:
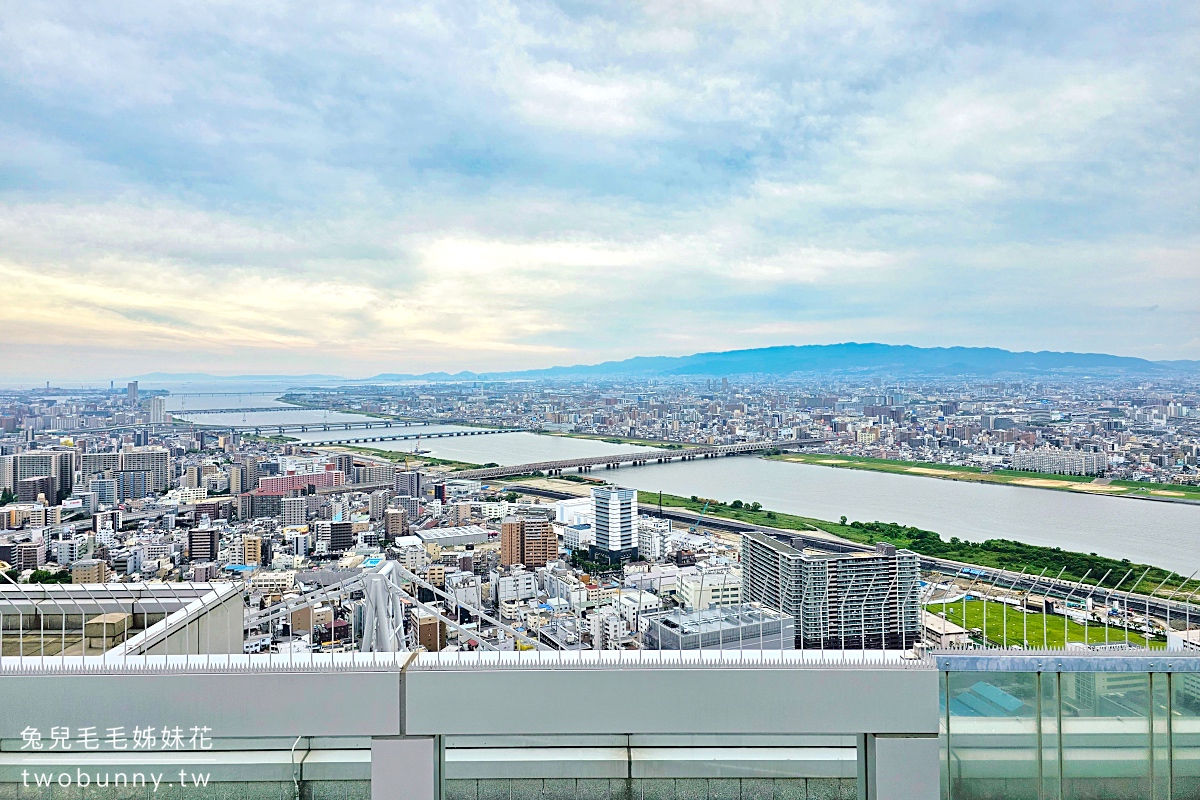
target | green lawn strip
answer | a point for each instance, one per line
(1032, 629)
(412, 460)
(598, 437)
(997, 553)
(1008, 477)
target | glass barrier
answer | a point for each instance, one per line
(1070, 735)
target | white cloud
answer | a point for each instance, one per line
(501, 184)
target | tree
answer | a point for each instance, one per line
(736, 504)
(511, 497)
(756, 506)
(45, 576)
(843, 519)
(7, 497)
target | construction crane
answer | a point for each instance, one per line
(695, 527)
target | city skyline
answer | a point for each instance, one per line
(502, 186)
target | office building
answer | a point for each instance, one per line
(528, 540)
(616, 524)
(203, 544)
(837, 600)
(131, 393)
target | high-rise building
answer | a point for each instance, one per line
(295, 510)
(203, 544)
(158, 410)
(528, 540)
(379, 502)
(395, 522)
(616, 524)
(59, 464)
(133, 484)
(37, 486)
(98, 463)
(839, 599)
(408, 484)
(7, 476)
(105, 490)
(341, 537)
(131, 393)
(155, 460)
(411, 506)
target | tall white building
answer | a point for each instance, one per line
(616, 524)
(157, 407)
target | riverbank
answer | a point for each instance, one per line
(597, 437)
(996, 553)
(1032, 480)
(409, 459)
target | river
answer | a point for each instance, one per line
(1159, 533)
(1163, 534)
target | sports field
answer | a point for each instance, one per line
(1008, 626)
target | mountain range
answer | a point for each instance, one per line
(849, 357)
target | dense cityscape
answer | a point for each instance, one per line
(107, 486)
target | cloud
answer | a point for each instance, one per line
(490, 184)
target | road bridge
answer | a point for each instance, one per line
(636, 458)
(192, 412)
(397, 437)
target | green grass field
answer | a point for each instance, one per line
(1027, 629)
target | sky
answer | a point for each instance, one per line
(355, 188)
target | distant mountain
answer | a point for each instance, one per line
(839, 358)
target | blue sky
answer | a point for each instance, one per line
(357, 188)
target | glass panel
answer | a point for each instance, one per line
(1051, 775)
(1160, 710)
(1106, 735)
(1185, 734)
(993, 735)
(943, 739)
